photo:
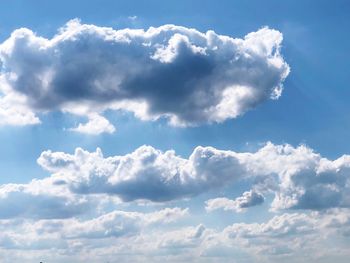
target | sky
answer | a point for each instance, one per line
(176, 131)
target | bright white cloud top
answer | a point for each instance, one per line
(172, 72)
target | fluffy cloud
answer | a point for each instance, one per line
(141, 237)
(248, 199)
(179, 73)
(293, 236)
(120, 235)
(120, 223)
(67, 213)
(282, 225)
(297, 177)
(301, 178)
(96, 125)
(59, 234)
(146, 173)
(13, 108)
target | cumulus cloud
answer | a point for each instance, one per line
(59, 234)
(119, 223)
(283, 225)
(301, 178)
(183, 238)
(122, 235)
(146, 173)
(69, 212)
(96, 125)
(293, 236)
(297, 177)
(248, 199)
(178, 73)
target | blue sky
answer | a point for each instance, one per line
(240, 196)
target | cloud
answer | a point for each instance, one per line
(120, 223)
(294, 178)
(292, 236)
(146, 173)
(121, 235)
(183, 238)
(287, 225)
(297, 177)
(96, 125)
(248, 199)
(40, 199)
(13, 109)
(172, 72)
(306, 180)
(59, 234)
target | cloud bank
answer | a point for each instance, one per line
(297, 177)
(172, 72)
(77, 212)
(143, 237)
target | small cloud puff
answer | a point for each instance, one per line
(248, 199)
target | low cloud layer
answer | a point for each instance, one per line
(173, 72)
(297, 178)
(142, 237)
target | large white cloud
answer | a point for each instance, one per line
(297, 177)
(143, 237)
(175, 72)
(146, 173)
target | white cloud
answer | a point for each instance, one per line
(297, 177)
(39, 199)
(145, 236)
(248, 199)
(178, 73)
(283, 225)
(294, 236)
(59, 234)
(69, 215)
(301, 178)
(13, 109)
(146, 173)
(119, 223)
(96, 125)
